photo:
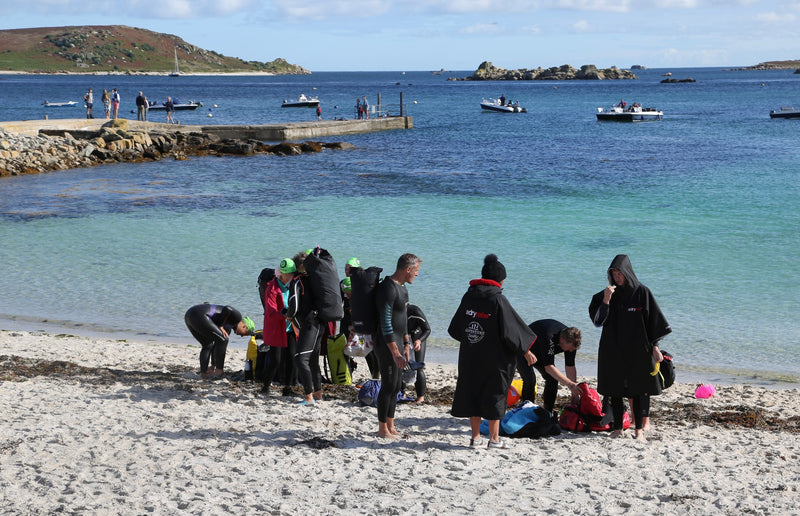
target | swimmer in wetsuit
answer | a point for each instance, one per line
(211, 325)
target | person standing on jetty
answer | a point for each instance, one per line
(169, 107)
(491, 335)
(211, 325)
(106, 100)
(632, 325)
(141, 107)
(89, 100)
(392, 302)
(552, 338)
(115, 103)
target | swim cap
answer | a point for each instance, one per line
(347, 285)
(353, 262)
(251, 326)
(309, 250)
(287, 266)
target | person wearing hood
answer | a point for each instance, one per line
(491, 336)
(632, 326)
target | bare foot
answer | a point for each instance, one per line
(421, 399)
(387, 435)
(616, 434)
(646, 423)
(640, 436)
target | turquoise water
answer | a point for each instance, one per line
(704, 202)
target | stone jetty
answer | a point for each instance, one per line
(42, 146)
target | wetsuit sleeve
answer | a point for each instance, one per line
(385, 303)
(230, 317)
(569, 358)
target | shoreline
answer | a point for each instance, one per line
(440, 354)
(127, 427)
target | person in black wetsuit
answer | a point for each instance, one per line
(211, 325)
(310, 335)
(391, 302)
(552, 338)
(418, 331)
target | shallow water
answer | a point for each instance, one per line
(704, 202)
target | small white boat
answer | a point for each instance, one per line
(623, 113)
(502, 107)
(302, 101)
(69, 103)
(785, 112)
(178, 106)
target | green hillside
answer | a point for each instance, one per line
(117, 48)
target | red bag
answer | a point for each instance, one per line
(591, 404)
(572, 420)
(596, 426)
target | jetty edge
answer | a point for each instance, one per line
(36, 146)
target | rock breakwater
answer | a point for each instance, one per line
(115, 142)
(488, 72)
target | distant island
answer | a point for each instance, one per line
(488, 72)
(118, 49)
(772, 65)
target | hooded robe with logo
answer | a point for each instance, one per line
(632, 323)
(492, 335)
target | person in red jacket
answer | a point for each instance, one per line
(279, 332)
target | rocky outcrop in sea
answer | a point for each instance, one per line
(114, 143)
(488, 72)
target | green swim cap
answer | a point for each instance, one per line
(309, 250)
(347, 285)
(287, 266)
(353, 262)
(251, 326)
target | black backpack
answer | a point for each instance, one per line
(265, 277)
(666, 373)
(363, 311)
(324, 283)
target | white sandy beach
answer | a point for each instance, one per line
(101, 426)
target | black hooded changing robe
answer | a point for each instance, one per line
(491, 334)
(632, 323)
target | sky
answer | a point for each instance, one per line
(412, 35)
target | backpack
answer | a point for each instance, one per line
(293, 300)
(364, 313)
(666, 371)
(368, 393)
(324, 283)
(340, 369)
(265, 277)
(590, 404)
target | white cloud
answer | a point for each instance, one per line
(483, 28)
(618, 6)
(775, 18)
(581, 26)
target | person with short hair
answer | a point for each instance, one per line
(89, 100)
(141, 107)
(169, 107)
(552, 338)
(491, 335)
(211, 325)
(391, 302)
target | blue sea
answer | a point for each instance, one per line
(705, 203)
